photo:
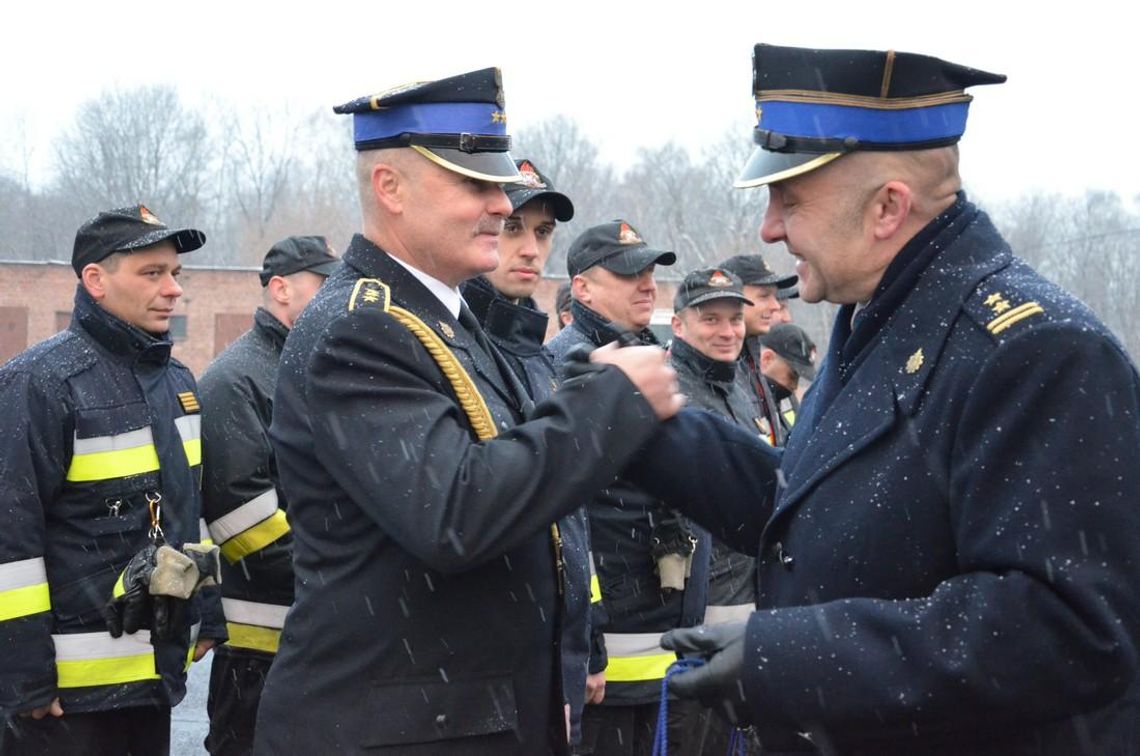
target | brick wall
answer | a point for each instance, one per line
(218, 303)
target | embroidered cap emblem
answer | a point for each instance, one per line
(626, 235)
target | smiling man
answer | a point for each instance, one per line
(99, 464)
(947, 551)
(422, 481)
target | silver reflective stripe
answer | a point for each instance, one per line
(23, 573)
(253, 613)
(189, 427)
(86, 646)
(715, 615)
(203, 530)
(593, 567)
(244, 517)
(194, 630)
(129, 440)
(634, 644)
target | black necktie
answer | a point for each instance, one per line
(469, 322)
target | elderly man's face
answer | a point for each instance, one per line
(452, 223)
(819, 216)
(715, 328)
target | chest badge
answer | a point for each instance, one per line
(447, 330)
(189, 402)
(914, 362)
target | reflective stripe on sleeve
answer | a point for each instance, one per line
(190, 429)
(254, 625)
(734, 613)
(204, 533)
(251, 527)
(85, 659)
(23, 588)
(108, 457)
(636, 657)
(595, 584)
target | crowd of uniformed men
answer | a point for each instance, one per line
(435, 533)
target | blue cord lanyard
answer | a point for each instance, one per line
(737, 744)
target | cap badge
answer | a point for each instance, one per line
(626, 235)
(914, 362)
(530, 177)
(447, 330)
(719, 280)
(148, 217)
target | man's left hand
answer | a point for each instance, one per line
(717, 684)
(202, 647)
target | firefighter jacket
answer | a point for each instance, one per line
(623, 520)
(422, 485)
(712, 385)
(243, 507)
(101, 422)
(518, 330)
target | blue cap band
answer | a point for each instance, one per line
(430, 118)
(818, 121)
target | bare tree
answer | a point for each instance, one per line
(137, 145)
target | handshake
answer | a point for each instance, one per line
(154, 588)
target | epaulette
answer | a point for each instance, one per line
(371, 293)
(997, 307)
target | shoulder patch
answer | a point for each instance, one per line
(998, 310)
(189, 402)
(370, 292)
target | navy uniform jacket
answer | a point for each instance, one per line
(99, 420)
(517, 330)
(426, 583)
(952, 565)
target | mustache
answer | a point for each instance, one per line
(489, 225)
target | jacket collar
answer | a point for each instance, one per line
(409, 293)
(713, 371)
(520, 327)
(117, 336)
(270, 327)
(844, 413)
(601, 331)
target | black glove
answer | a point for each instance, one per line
(130, 607)
(718, 684)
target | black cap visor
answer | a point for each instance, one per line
(561, 205)
(184, 240)
(712, 296)
(498, 167)
(767, 167)
(632, 261)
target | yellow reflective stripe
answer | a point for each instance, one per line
(254, 613)
(204, 533)
(120, 463)
(635, 657)
(194, 629)
(256, 538)
(790, 416)
(23, 588)
(595, 589)
(253, 637)
(244, 517)
(20, 602)
(190, 429)
(638, 668)
(119, 588)
(86, 659)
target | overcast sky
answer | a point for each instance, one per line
(632, 74)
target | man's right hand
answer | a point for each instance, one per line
(596, 687)
(53, 708)
(647, 367)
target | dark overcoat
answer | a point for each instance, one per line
(948, 551)
(426, 593)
